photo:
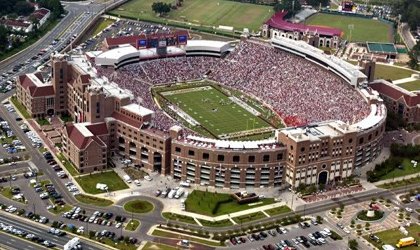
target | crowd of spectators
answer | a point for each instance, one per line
(298, 90)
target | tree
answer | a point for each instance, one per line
(3, 38)
(315, 3)
(414, 55)
(291, 6)
(161, 8)
(353, 245)
(54, 6)
(23, 8)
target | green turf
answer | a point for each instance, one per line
(400, 183)
(157, 246)
(390, 72)
(392, 236)
(205, 12)
(92, 200)
(249, 217)
(165, 234)
(408, 169)
(202, 202)
(138, 206)
(410, 86)
(110, 178)
(364, 29)
(278, 210)
(101, 25)
(132, 225)
(214, 111)
(67, 164)
(219, 223)
(23, 111)
(178, 217)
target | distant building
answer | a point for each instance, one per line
(27, 25)
(41, 15)
(18, 25)
(317, 36)
(404, 103)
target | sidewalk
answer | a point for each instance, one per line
(231, 215)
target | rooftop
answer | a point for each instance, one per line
(137, 109)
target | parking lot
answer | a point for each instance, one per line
(293, 237)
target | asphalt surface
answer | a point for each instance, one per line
(41, 231)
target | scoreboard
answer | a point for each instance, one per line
(161, 41)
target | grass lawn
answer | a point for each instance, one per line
(202, 202)
(118, 244)
(157, 246)
(8, 140)
(278, 210)
(66, 118)
(407, 170)
(165, 234)
(132, 225)
(178, 217)
(410, 86)
(401, 183)
(60, 209)
(249, 217)
(68, 165)
(390, 72)
(101, 25)
(214, 111)
(87, 199)
(392, 236)
(138, 206)
(43, 122)
(110, 178)
(364, 29)
(220, 223)
(7, 192)
(20, 107)
(204, 12)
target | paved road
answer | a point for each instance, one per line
(11, 243)
(406, 35)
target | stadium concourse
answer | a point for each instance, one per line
(299, 91)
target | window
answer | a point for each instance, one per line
(236, 158)
(251, 158)
(361, 140)
(266, 158)
(279, 157)
(206, 156)
(191, 152)
(178, 149)
(220, 157)
(302, 149)
(350, 140)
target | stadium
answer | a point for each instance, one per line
(238, 114)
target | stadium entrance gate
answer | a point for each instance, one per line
(323, 177)
(157, 162)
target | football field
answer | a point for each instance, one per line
(203, 12)
(216, 112)
(363, 29)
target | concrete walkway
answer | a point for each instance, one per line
(404, 80)
(232, 215)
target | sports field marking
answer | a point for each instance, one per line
(214, 111)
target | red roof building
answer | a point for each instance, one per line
(318, 36)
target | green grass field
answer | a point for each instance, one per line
(392, 236)
(110, 178)
(364, 29)
(138, 206)
(390, 72)
(204, 12)
(202, 202)
(214, 111)
(408, 169)
(92, 200)
(101, 25)
(410, 86)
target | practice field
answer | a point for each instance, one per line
(364, 29)
(216, 112)
(205, 12)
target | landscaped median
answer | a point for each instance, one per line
(157, 246)
(68, 165)
(138, 206)
(110, 178)
(92, 200)
(186, 235)
(132, 225)
(249, 217)
(215, 204)
(22, 110)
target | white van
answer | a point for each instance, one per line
(127, 178)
